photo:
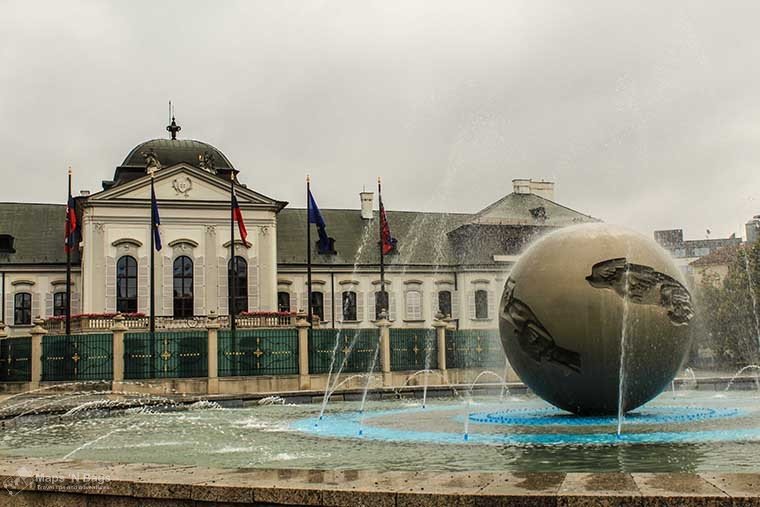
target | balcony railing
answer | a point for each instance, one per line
(103, 322)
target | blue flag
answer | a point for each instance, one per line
(315, 217)
(155, 221)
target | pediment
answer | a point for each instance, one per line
(184, 183)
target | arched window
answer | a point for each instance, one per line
(126, 284)
(413, 305)
(283, 301)
(444, 302)
(240, 272)
(183, 287)
(59, 304)
(22, 309)
(381, 303)
(349, 305)
(318, 304)
(481, 304)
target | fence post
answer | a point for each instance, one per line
(118, 329)
(37, 333)
(385, 347)
(440, 325)
(302, 325)
(212, 328)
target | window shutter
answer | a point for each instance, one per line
(199, 286)
(328, 304)
(492, 304)
(221, 283)
(455, 304)
(9, 315)
(371, 306)
(471, 304)
(110, 302)
(391, 305)
(36, 311)
(48, 304)
(359, 306)
(167, 286)
(75, 303)
(253, 286)
(143, 288)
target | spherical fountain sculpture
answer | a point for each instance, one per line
(585, 299)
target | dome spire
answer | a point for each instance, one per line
(173, 127)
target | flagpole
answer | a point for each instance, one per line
(232, 270)
(308, 250)
(383, 294)
(68, 260)
(152, 320)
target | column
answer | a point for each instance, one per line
(3, 333)
(37, 333)
(212, 327)
(440, 325)
(302, 325)
(385, 347)
(118, 329)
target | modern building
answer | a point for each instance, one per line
(455, 263)
(686, 251)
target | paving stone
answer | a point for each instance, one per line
(743, 488)
(443, 489)
(662, 489)
(599, 490)
(525, 489)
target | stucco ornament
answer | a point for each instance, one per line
(581, 295)
(182, 186)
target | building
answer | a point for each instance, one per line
(714, 265)
(685, 252)
(455, 263)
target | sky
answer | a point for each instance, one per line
(645, 113)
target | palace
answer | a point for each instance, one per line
(454, 263)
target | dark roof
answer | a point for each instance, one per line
(37, 230)
(721, 256)
(530, 210)
(421, 237)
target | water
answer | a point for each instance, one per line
(742, 370)
(698, 432)
(623, 335)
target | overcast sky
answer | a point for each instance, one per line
(646, 114)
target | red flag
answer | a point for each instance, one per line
(238, 217)
(389, 242)
(70, 237)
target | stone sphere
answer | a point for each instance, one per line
(578, 294)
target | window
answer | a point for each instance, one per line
(318, 305)
(413, 305)
(381, 303)
(23, 309)
(59, 304)
(283, 301)
(444, 302)
(701, 251)
(349, 305)
(6, 244)
(240, 270)
(481, 304)
(126, 285)
(183, 287)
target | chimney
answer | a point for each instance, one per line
(540, 188)
(366, 198)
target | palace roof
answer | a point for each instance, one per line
(37, 231)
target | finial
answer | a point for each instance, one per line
(378, 180)
(173, 128)
(69, 170)
(308, 179)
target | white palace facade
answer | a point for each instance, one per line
(455, 263)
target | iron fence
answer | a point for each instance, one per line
(16, 359)
(176, 354)
(413, 349)
(258, 352)
(354, 349)
(77, 357)
(474, 348)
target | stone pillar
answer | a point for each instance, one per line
(118, 329)
(302, 325)
(3, 333)
(385, 347)
(37, 333)
(440, 325)
(212, 327)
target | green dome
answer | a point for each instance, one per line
(174, 151)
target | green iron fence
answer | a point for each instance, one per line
(355, 349)
(258, 352)
(16, 359)
(179, 354)
(77, 357)
(473, 348)
(413, 349)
